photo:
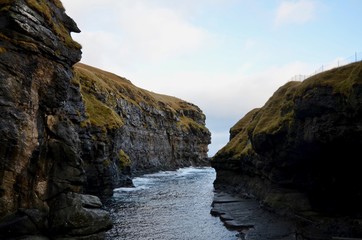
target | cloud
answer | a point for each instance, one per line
(158, 33)
(158, 47)
(133, 31)
(295, 12)
(224, 95)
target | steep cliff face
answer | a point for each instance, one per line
(69, 131)
(128, 129)
(301, 150)
(40, 165)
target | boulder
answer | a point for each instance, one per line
(77, 215)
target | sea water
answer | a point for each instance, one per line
(171, 205)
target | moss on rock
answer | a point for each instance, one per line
(124, 160)
(43, 8)
(109, 88)
(99, 114)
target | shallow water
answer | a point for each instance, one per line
(168, 205)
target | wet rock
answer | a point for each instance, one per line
(248, 218)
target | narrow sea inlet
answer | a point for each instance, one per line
(172, 205)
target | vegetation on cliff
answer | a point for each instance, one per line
(102, 92)
(279, 113)
(59, 27)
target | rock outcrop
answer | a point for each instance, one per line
(67, 132)
(300, 152)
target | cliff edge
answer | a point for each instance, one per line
(300, 152)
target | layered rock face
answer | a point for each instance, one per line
(40, 164)
(128, 129)
(68, 132)
(301, 150)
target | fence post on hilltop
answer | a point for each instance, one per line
(326, 67)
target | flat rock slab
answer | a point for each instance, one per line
(225, 198)
(255, 223)
(247, 217)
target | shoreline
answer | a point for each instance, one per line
(253, 220)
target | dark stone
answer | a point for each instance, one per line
(77, 215)
(247, 217)
(23, 222)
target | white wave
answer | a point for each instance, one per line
(147, 180)
(193, 170)
(139, 181)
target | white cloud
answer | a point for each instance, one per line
(142, 40)
(224, 94)
(250, 44)
(225, 97)
(295, 12)
(133, 31)
(156, 33)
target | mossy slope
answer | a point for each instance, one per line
(278, 114)
(103, 90)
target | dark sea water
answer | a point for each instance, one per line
(166, 206)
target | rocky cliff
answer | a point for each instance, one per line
(69, 131)
(131, 130)
(301, 151)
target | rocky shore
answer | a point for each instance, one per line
(253, 220)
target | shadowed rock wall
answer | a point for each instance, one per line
(301, 150)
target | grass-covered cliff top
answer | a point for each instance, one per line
(102, 90)
(278, 112)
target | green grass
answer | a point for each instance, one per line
(124, 160)
(339, 79)
(278, 112)
(240, 145)
(99, 114)
(96, 81)
(58, 4)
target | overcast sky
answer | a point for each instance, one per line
(226, 56)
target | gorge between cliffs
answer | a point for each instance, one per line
(74, 137)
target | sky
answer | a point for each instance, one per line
(226, 56)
